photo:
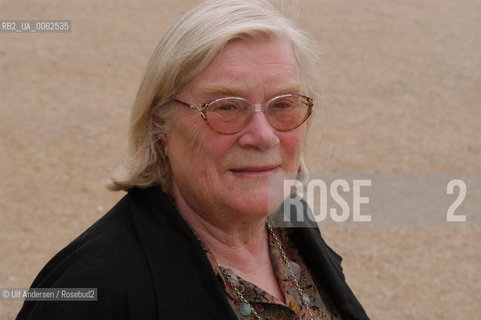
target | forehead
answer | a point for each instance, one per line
(250, 67)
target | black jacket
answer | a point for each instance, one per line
(147, 264)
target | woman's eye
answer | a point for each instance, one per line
(282, 105)
(227, 107)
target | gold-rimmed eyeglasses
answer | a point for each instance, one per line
(230, 115)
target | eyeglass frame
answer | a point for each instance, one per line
(204, 106)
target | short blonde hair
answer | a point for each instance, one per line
(182, 53)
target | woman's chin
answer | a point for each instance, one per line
(254, 205)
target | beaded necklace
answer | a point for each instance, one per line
(245, 307)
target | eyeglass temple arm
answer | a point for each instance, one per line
(186, 104)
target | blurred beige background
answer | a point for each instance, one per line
(401, 93)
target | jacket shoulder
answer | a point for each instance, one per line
(107, 256)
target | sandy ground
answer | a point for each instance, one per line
(401, 93)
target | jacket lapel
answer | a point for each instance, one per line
(326, 265)
(185, 285)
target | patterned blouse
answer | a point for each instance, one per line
(269, 307)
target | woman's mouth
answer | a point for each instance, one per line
(254, 171)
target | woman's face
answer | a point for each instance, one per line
(228, 173)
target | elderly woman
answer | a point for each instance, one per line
(222, 107)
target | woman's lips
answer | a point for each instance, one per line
(253, 171)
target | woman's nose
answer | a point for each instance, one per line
(258, 133)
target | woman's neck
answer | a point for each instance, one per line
(240, 245)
